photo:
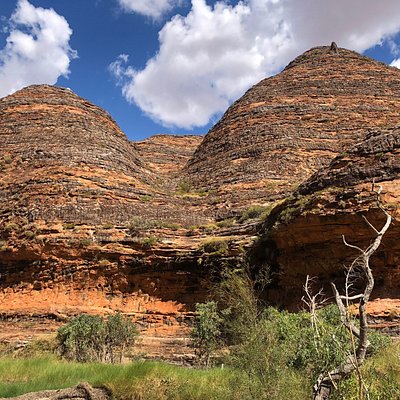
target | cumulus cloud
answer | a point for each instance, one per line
(151, 8)
(211, 56)
(395, 63)
(37, 48)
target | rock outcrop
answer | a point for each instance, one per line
(306, 230)
(83, 391)
(290, 125)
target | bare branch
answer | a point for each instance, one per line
(370, 225)
(351, 245)
(350, 298)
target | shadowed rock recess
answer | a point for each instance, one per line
(90, 222)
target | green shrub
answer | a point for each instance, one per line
(108, 226)
(10, 227)
(206, 333)
(82, 339)
(139, 224)
(253, 212)
(184, 187)
(88, 338)
(69, 226)
(85, 242)
(103, 262)
(145, 198)
(215, 246)
(149, 242)
(30, 234)
(7, 159)
(226, 223)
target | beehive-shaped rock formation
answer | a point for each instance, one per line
(65, 158)
(288, 126)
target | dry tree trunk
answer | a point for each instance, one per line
(327, 381)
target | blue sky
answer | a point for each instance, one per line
(173, 66)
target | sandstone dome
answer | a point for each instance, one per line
(288, 126)
(65, 158)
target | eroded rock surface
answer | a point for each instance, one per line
(90, 222)
(290, 125)
(306, 230)
(83, 391)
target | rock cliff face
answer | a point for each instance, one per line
(92, 222)
(306, 230)
(288, 126)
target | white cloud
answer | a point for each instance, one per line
(37, 48)
(211, 56)
(151, 8)
(395, 63)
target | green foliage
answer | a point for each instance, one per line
(208, 228)
(184, 187)
(145, 198)
(136, 380)
(88, 338)
(236, 292)
(139, 224)
(214, 246)
(253, 212)
(7, 159)
(3, 245)
(119, 333)
(85, 242)
(276, 347)
(149, 242)
(10, 227)
(108, 225)
(30, 234)
(226, 223)
(69, 226)
(381, 375)
(103, 262)
(82, 339)
(206, 331)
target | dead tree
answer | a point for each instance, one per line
(328, 381)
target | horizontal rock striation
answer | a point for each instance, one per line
(306, 230)
(90, 222)
(290, 125)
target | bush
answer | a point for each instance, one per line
(215, 246)
(184, 187)
(89, 338)
(149, 242)
(206, 331)
(254, 211)
(276, 348)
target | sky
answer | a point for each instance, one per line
(174, 66)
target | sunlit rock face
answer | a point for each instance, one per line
(91, 222)
(288, 126)
(306, 231)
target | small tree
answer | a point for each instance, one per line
(120, 333)
(90, 338)
(82, 338)
(206, 331)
